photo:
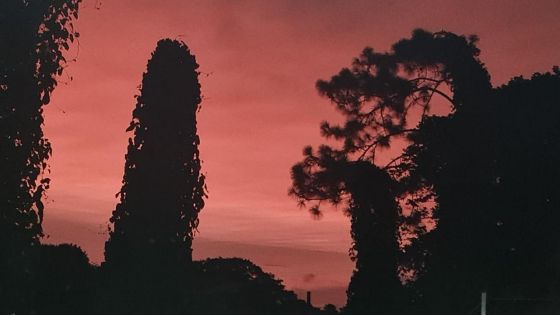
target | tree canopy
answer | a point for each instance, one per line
(495, 178)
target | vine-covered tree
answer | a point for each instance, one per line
(33, 37)
(163, 188)
(386, 204)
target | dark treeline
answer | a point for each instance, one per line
(469, 206)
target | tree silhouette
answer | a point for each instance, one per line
(163, 189)
(148, 253)
(33, 35)
(496, 178)
(376, 97)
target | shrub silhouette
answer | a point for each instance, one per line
(237, 286)
(65, 281)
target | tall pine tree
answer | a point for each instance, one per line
(377, 97)
(163, 189)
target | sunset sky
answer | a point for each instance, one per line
(259, 61)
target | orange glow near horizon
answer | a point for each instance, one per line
(259, 61)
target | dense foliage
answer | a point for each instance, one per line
(163, 188)
(231, 286)
(33, 37)
(496, 181)
(468, 206)
(375, 97)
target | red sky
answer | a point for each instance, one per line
(259, 63)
